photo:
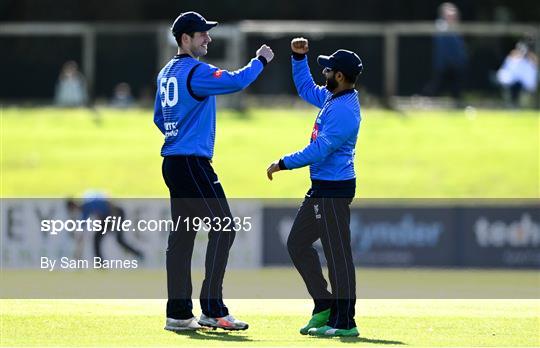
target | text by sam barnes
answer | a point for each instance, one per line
(96, 263)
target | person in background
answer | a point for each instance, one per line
(518, 74)
(122, 97)
(449, 55)
(71, 89)
(96, 205)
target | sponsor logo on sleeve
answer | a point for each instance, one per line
(315, 132)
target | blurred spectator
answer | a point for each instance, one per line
(449, 55)
(97, 206)
(122, 97)
(71, 86)
(518, 74)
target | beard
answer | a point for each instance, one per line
(331, 84)
(198, 51)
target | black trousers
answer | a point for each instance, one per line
(452, 77)
(325, 215)
(195, 193)
(515, 92)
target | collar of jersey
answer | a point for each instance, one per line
(347, 91)
(183, 55)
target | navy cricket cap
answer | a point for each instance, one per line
(345, 61)
(190, 22)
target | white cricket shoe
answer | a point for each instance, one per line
(226, 323)
(182, 324)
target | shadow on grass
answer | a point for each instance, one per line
(214, 335)
(368, 340)
(361, 340)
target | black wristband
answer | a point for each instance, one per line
(298, 56)
(263, 60)
(281, 164)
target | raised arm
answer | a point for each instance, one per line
(306, 87)
(209, 80)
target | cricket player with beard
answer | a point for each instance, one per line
(325, 212)
(185, 112)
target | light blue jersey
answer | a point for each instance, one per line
(330, 153)
(185, 107)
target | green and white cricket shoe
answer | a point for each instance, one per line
(226, 323)
(182, 324)
(316, 321)
(328, 331)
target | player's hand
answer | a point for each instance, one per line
(274, 167)
(300, 45)
(265, 52)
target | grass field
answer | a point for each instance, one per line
(396, 307)
(438, 154)
(421, 154)
(373, 283)
(137, 323)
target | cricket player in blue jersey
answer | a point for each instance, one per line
(96, 206)
(185, 112)
(325, 212)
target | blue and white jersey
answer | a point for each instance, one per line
(185, 107)
(330, 153)
(95, 205)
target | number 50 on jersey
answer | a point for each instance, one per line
(168, 90)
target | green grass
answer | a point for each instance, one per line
(373, 283)
(443, 154)
(436, 154)
(138, 323)
(457, 318)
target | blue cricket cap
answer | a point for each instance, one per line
(345, 61)
(190, 22)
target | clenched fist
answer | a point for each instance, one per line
(265, 52)
(300, 45)
(274, 167)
